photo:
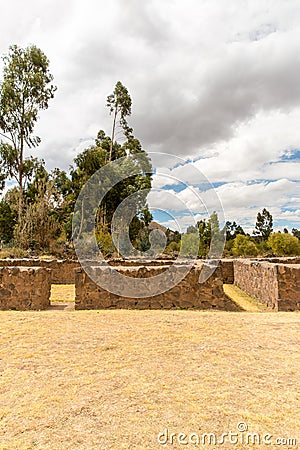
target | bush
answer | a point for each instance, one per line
(173, 248)
(190, 244)
(13, 252)
(105, 242)
(244, 246)
(284, 244)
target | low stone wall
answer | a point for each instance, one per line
(62, 271)
(24, 288)
(258, 279)
(273, 281)
(276, 285)
(227, 271)
(288, 287)
(281, 260)
(187, 294)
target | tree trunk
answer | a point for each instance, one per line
(113, 135)
(20, 209)
(81, 221)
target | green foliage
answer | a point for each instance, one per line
(191, 229)
(104, 241)
(244, 246)
(204, 237)
(284, 244)
(211, 237)
(146, 216)
(105, 150)
(264, 225)
(8, 220)
(39, 225)
(172, 248)
(232, 230)
(296, 232)
(217, 236)
(39, 209)
(25, 90)
(64, 196)
(119, 103)
(13, 252)
(190, 244)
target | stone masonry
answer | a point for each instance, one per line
(24, 288)
(187, 294)
(62, 270)
(273, 281)
(276, 285)
(288, 287)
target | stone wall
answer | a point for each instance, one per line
(62, 271)
(281, 260)
(276, 285)
(24, 288)
(187, 294)
(227, 271)
(273, 281)
(288, 287)
(258, 279)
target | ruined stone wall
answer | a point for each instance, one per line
(273, 281)
(281, 260)
(288, 287)
(24, 288)
(187, 294)
(258, 279)
(62, 271)
(276, 285)
(227, 271)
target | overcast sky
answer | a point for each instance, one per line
(213, 82)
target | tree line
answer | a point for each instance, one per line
(262, 242)
(37, 212)
(37, 206)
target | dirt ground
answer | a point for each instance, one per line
(117, 379)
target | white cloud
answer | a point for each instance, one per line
(212, 81)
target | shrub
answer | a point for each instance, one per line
(105, 242)
(244, 246)
(190, 244)
(172, 248)
(13, 252)
(284, 244)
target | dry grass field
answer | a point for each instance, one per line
(62, 293)
(115, 379)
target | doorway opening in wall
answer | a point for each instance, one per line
(62, 297)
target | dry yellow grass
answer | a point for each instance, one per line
(115, 379)
(62, 293)
(242, 299)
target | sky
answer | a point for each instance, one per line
(214, 83)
